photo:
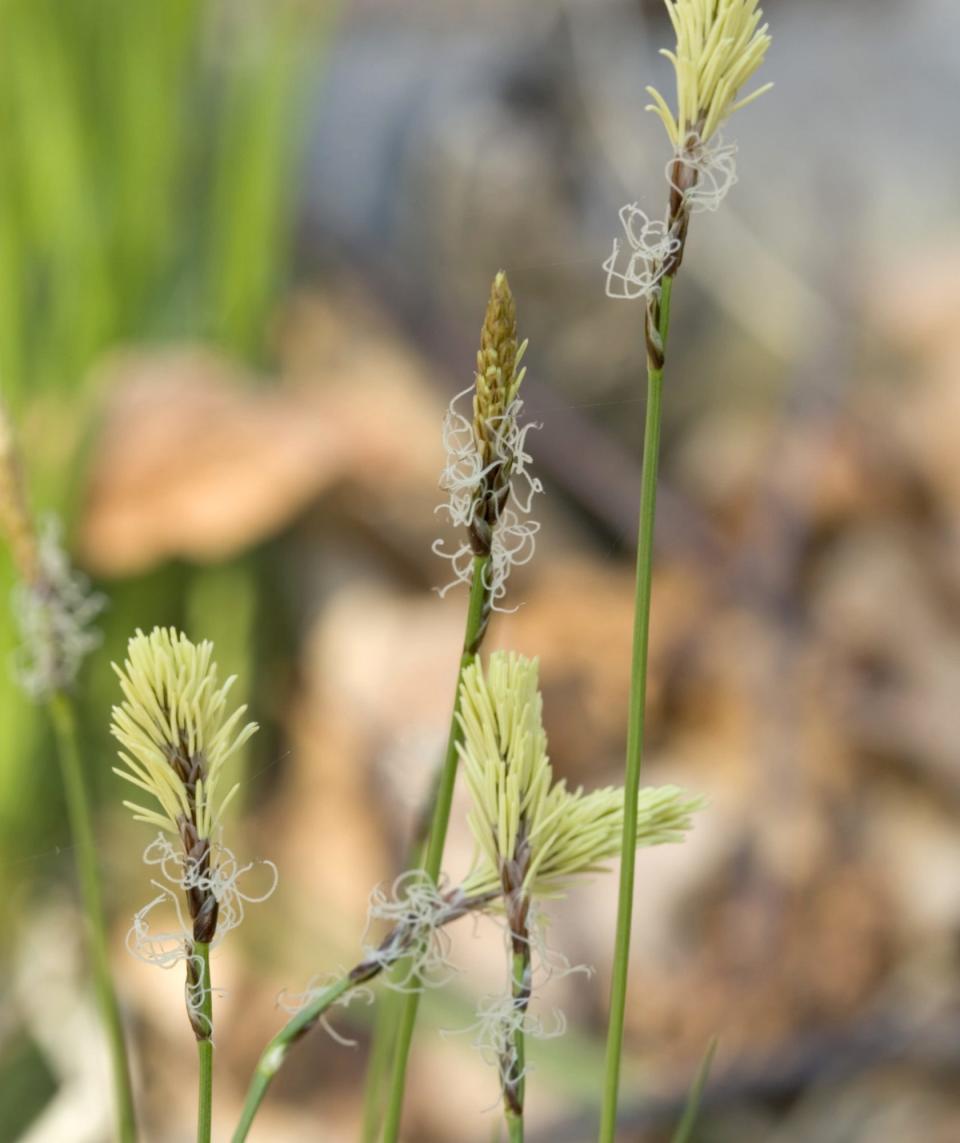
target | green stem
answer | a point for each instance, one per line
(514, 1128)
(635, 725)
(271, 1060)
(204, 1022)
(386, 1017)
(477, 615)
(85, 856)
(393, 947)
(514, 1082)
(379, 1061)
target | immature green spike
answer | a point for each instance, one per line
(498, 375)
(719, 47)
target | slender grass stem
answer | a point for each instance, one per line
(515, 1128)
(515, 1066)
(204, 992)
(275, 1053)
(85, 855)
(273, 1056)
(380, 1062)
(477, 616)
(390, 1003)
(635, 724)
(685, 1128)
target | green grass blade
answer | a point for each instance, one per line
(684, 1131)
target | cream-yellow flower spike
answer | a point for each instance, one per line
(175, 730)
(517, 804)
(720, 44)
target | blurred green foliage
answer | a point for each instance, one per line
(145, 160)
(148, 158)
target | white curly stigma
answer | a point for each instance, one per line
(650, 245)
(177, 874)
(465, 480)
(712, 171)
(295, 1002)
(54, 615)
(499, 1019)
(416, 910)
(547, 963)
(494, 1033)
(501, 1016)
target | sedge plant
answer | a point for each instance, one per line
(532, 837)
(532, 834)
(720, 44)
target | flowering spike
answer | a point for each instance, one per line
(720, 44)
(175, 731)
(497, 377)
(487, 475)
(518, 807)
(176, 736)
(719, 47)
(532, 836)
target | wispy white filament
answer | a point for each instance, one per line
(295, 1002)
(418, 910)
(173, 943)
(649, 245)
(465, 479)
(711, 171)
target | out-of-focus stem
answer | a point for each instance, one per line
(85, 856)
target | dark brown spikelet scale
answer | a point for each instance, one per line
(683, 177)
(203, 905)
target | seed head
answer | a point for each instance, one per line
(176, 732)
(498, 375)
(719, 47)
